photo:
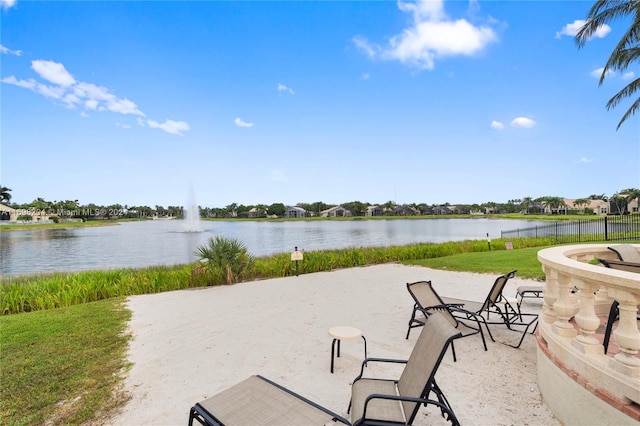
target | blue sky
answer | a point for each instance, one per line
(264, 102)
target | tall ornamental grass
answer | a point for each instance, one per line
(47, 291)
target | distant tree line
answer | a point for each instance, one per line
(72, 208)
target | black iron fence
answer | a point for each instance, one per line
(582, 231)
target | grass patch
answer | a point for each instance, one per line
(62, 366)
(524, 260)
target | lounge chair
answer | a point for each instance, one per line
(427, 301)
(626, 252)
(258, 401)
(528, 292)
(496, 305)
(621, 265)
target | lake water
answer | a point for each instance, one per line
(139, 244)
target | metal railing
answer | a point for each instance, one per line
(582, 231)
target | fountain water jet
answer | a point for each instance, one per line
(192, 215)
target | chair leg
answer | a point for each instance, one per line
(484, 342)
(365, 347)
(410, 326)
(453, 352)
(333, 346)
(442, 400)
(413, 322)
(488, 329)
(524, 333)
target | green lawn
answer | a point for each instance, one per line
(525, 261)
(61, 366)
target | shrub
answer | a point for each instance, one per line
(224, 261)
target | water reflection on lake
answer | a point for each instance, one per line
(138, 244)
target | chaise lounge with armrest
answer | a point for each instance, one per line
(626, 252)
(258, 401)
(528, 292)
(496, 305)
(427, 301)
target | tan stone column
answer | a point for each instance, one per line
(565, 307)
(587, 319)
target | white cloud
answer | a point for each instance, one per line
(572, 29)
(240, 123)
(598, 72)
(497, 125)
(523, 122)
(25, 84)
(366, 76)
(91, 104)
(69, 92)
(363, 44)
(6, 4)
(628, 75)
(124, 106)
(423, 10)
(432, 36)
(283, 88)
(7, 51)
(53, 72)
(83, 114)
(584, 160)
(123, 126)
(51, 92)
(91, 91)
(278, 176)
(170, 126)
(71, 100)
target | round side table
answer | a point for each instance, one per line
(344, 332)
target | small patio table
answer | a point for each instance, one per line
(344, 332)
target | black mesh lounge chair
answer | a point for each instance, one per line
(626, 252)
(495, 309)
(427, 301)
(258, 401)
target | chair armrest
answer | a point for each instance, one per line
(367, 360)
(462, 310)
(443, 306)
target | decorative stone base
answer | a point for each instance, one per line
(573, 400)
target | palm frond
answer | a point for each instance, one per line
(626, 92)
(630, 112)
(602, 12)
